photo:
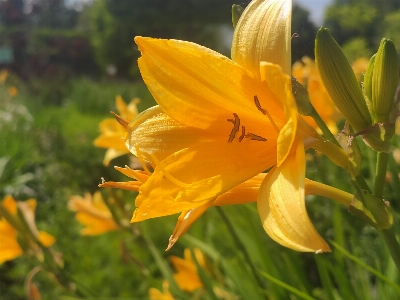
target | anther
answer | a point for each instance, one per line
(257, 103)
(236, 126)
(243, 134)
(255, 137)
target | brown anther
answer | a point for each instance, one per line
(236, 126)
(243, 134)
(121, 121)
(257, 103)
(255, 137)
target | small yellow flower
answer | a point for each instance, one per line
(12, 91)
(12, 228)
(306, 73)
(155, 294)
(93, 213)
(186, 276)
(112, 134)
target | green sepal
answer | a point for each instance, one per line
(237, 11)
(372, 210)
(340, 80)
(378, 136)
(367, 85)
(349, 144)
(385, 79)
(302, 98)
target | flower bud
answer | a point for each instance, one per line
(302, 98)
(367, 85)
(385, 79)
(340, 81)
(237, 11)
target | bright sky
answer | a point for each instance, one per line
(316, 8)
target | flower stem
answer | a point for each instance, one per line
(380, 174)
(393, 245)
(325, 130)
(316, 188)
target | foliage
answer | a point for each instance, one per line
(351, 19)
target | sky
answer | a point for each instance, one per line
(316, 8)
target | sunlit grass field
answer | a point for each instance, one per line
(47, 153)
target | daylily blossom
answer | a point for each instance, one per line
(306, 73)
(12, 230)
(155, 294)
(186, 276)
(218, 124)
(93, 213)
(112, 133)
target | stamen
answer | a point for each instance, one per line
(235, 129)
(243, 134)
(121, 121)
(257, 103)
(265, 112)
(255, 137)
(139, 155)
(168, 175)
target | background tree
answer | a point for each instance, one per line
(362, 23)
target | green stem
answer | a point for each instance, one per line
(393, 245)
(380, 173)
(325, 130)
(316, 188)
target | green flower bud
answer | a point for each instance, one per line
(368, 83)
(340, 81)
(385, 79)
(237, 11)
(302, 98)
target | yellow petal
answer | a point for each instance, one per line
(191, 85)
(194, 176)
(187, 277)
(281, 206)
(46, 239)
(10, 204)
(280, 85)
(113, 153)
(263, 33)
(94, 225)
(155, 132)
(9, 247)
(185, 220)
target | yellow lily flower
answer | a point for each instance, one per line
(155, 294)
(93, 213)
(306, 73)
(12, 230)
(219, 124)
(186, 276)
(112, 134)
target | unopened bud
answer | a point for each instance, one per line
(385, 80)
(302, 98)
(340, 81)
